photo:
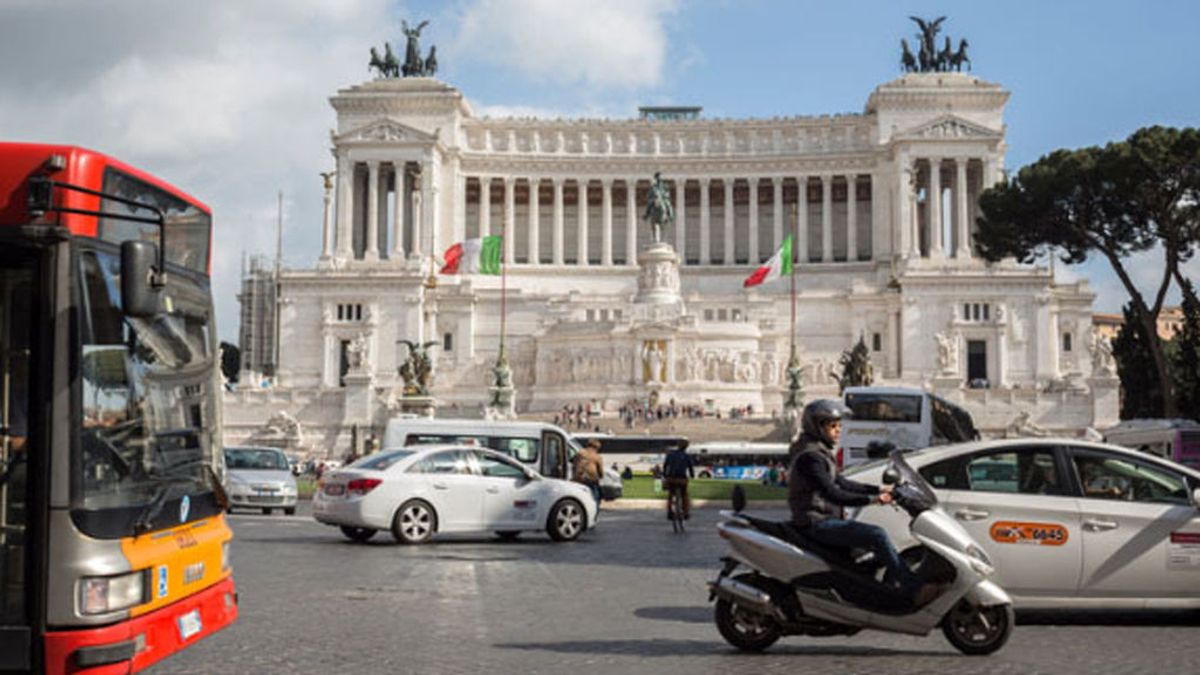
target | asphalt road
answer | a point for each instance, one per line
(628, 597)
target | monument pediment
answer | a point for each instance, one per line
(950, 127)
(384, 130)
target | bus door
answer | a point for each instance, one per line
(18, 576)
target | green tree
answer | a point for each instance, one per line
(1126, 197)
(1185, 355)
(231, 361)
(856, 367)
(1141, 393)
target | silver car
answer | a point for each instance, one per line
(259, 478)
(1067, 523)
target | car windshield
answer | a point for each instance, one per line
(255, 458)
(146, 395)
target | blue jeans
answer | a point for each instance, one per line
(837, 532)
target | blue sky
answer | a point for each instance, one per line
(229, 99)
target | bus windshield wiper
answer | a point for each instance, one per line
(168, 476)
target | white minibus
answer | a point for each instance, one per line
(907, 418)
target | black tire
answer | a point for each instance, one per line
(358, 534)
(965, 628)
(290, 511)
(415, 522)
(508, 535)
(748, 631)
(567, 520)
(267, 512)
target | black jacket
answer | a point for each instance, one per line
(815, 489)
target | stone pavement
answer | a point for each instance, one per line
(627, 598)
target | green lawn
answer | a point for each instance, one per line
(642, 487)
(305, 486)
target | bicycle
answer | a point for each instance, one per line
(675, 499)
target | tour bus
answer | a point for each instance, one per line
(907, 418)
(545, 447)
(738, 460)
(638, 452)
(1174, 439)
(114, 549)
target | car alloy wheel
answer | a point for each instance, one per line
(414, 523)
(566, 520)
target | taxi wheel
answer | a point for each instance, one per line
(567, 520)
(977, 631)
(359, 534)
(414, 523)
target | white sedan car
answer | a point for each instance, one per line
(417, 491)
(1067, 523)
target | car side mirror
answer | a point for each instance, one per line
(1196, 498)
(891, 476)
(139, 295)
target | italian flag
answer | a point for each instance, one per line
(780, 265)
(474, 256)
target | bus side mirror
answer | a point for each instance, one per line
(139, 296)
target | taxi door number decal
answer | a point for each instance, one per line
(1037, 534)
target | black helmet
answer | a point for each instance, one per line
(820, 411)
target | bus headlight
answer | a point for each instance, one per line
(100, 595)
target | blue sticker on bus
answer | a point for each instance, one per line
(185, 505)
(162, 581)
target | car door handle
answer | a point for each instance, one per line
(971, 514)
(441, 486)
(1095, 525)
(493, 490)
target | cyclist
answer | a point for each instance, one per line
(678, 466)
(817, 495)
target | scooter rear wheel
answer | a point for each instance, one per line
(977, 631)
(747, 630)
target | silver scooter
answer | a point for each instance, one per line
(796, 586)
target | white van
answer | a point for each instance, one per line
(545, 447)
(908, 418)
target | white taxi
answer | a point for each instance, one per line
(418, 491)
(1067, 523)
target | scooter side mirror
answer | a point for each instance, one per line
(891, 476)
(739, 499)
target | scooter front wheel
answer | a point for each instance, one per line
(977, 631)
(747, 630)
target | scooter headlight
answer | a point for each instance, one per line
(980, 561)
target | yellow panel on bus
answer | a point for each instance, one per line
(181, 560)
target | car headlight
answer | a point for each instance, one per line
(101, 595)
(980, 561)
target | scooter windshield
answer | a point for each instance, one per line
(915, 494)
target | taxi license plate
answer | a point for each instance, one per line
(189, 624)
(334, 490)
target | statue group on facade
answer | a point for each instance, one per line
(659, 210)
(417, 370)
(928, 58)
(388, 66)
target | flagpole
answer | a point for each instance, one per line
(793, 261)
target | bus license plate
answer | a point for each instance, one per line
(334, 490)
(189, 624)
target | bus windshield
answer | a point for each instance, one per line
(880, 407)
(147, 401)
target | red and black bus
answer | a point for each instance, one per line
(114, 549)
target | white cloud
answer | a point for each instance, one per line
(615, 43)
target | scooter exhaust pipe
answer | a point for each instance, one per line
(744, 595)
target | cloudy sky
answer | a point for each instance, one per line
(229, 98)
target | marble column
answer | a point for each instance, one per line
(510, 220)
(606, 222)
(754, 255)
(535, 243)
(680, 216)
(802, 219)
(557, 232)
(962, 223)
(631, 220)
(485, 206)
(728, 210)
(990, 177)
(371, 251)
(581, 225)
(826, 218)
(327, 221)
(912, 222)
(777, 212)
(398, 202)
(851, 217)
(418, 221)
(345, 210)
(705, 222)
(936, 249)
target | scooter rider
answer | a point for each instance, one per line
(817, 495)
